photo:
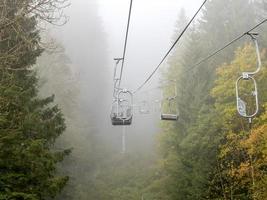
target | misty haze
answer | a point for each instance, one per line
(133, 99)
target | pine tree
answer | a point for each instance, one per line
(29, 125)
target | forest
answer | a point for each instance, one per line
(56, 136)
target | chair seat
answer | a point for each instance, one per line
(169, 117)
(121, 122)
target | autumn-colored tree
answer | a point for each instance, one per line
(239, 171)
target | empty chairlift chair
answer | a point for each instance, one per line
(122, 113)
(172, 114)
(169, 105)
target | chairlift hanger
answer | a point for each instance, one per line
(116, 79)
(248, 76)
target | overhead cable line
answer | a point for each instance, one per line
(224, 47)
(126, 40)
(220, 49)
(169, 51)
(227, 45)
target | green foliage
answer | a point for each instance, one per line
(124, 177)
(208, 153)
(236, 163)
(190, 148)
(29, 125)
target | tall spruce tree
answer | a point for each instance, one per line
(29, 125)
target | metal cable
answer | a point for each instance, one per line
(174, 44)
(224, 47)
(219, 50)
(126, 40)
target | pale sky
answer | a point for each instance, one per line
(151, 29)
(152, 26)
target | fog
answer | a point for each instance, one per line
(95, 34)
(71, 130)
(186, 119)
(152, 26)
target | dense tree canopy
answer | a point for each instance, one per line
(29, 125)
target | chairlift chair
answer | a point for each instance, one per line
(248, 76)
(169, 117)
(121, 113)
(172, 114)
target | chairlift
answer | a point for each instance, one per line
(172, 112)
(121, 112)
(248, 76)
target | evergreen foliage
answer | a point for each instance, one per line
(29, 125)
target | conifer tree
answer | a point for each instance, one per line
(29, 125)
